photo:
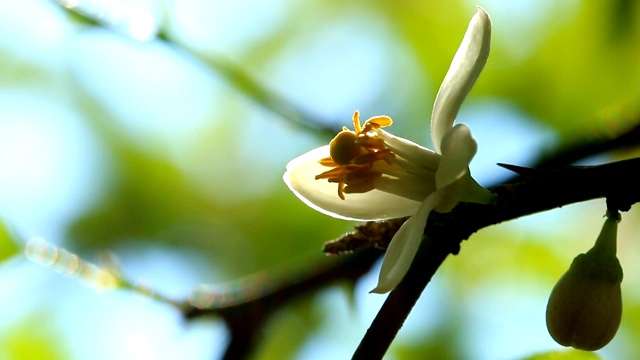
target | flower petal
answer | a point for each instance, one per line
(414, 153)
(451, 194)
(323, 196)
(403, 246)
(458, 148)
(463, 73)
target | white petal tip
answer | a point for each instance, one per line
(387, 283)
(461, 76)
(482, 10)
(484, 18)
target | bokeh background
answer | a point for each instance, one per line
(160, 155)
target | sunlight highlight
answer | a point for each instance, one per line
(64, 262)
(233, 292)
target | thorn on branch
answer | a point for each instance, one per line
(529, 173)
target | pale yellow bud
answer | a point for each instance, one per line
(585, 306)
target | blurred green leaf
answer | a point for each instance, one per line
(8, 246)
(565, 355)
(443, 344)
(495, 253)
(32, 339)
(578, 74)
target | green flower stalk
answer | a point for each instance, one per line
(585, 306)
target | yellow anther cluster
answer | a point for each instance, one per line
(352, 155)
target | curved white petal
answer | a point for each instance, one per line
(323, 196)
(403, 247)
(463, 73)
(414, 153)
(458, 148)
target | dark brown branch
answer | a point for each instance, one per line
(618, 182)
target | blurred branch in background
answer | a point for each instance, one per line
(246, 316)
(264, 97)
(245, 305)
(121, 18)
(578, 150)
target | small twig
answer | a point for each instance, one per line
(373, 233)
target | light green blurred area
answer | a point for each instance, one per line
(151, 150)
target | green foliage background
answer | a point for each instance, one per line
(173, 162)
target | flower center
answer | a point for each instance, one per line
(353, 154)
(369, 158)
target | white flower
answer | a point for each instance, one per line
(370, 174)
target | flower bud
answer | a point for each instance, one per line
(585, 306)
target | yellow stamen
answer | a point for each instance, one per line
(379, 121)
(341, 191)
(370, 158)
(371, 143)
(352, 154)
(356, 122)
(327, 162)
